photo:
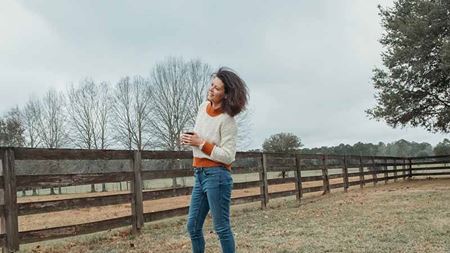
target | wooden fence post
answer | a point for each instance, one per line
(386, 174)
(345, 172)
(409, 169)
(326, 182)
(2, 216)
(361, 173)
(2, 202)
(403, 169)
(395, 170)
(264, 187)
(10, 200)
(298, 178)
(137, 205)
(374, 172)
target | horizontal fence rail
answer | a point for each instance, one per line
(299, 174)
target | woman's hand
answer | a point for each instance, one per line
(191, 139)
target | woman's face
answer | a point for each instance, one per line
(216, 91)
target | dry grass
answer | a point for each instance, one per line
(398, 217)
(92, 214)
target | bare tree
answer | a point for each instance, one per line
(103, 116)
(198, 79)
(179, 88)
(52, 122)
(89, 113)
(81, 107)
(122, 113)
(132, 112)
(31, 115)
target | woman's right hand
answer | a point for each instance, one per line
(181, 139)
(191, 139)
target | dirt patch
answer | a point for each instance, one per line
(85, 215)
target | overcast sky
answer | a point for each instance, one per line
(308, 64)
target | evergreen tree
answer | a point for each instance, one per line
(413, 87)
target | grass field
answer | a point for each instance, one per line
(407, 216)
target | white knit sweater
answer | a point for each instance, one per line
(220, 132)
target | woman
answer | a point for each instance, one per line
(213, 143)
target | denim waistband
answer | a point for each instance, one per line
(209, 168)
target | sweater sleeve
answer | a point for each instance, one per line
(225, 152)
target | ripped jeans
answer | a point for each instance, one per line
(212, 191)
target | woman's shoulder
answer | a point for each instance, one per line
(228, 119)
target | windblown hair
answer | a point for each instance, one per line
(236, 91)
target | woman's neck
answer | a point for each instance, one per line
(216, 106)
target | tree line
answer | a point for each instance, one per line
(135, 113)
(288, 142)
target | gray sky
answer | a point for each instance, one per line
(308, 64)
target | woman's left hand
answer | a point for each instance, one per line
(192, 140)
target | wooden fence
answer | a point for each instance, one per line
(52, 172)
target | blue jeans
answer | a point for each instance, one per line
(212, 191)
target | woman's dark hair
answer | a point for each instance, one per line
(236, 91)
